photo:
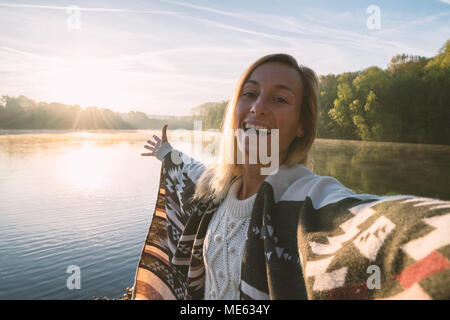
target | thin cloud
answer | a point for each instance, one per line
(18, 51)
(32, 6)
(238, 29)
(417, 22)
(208, 9)
(313, 31)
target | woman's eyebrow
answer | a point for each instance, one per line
(251, 81)
(279, 86)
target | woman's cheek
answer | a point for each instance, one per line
(285, 139)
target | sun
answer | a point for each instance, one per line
(82, 81)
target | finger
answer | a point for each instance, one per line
(156, 138)
(164, 133)
(149, 148)
(151, 142)
(147, 154)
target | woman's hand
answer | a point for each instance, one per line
(154, 146)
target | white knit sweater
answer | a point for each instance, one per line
(224, 245)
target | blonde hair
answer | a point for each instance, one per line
(216, 179)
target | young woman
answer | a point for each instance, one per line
(234, 231)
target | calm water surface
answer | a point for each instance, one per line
(86, 199)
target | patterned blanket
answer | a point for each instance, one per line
(309, 238)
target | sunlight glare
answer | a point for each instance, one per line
(82, 81)
(86, 167)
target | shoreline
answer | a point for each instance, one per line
(6, 132)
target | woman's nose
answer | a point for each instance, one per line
(258, 106)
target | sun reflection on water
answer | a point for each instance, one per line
(86, 167)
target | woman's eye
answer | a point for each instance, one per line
(280, 100)
(249, 94)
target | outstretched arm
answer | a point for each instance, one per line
(180, 172)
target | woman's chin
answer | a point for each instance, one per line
(251, 154)
(254, 149)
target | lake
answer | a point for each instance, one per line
(86, 199)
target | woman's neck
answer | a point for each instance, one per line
(252, 178)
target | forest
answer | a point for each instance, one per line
(409, 101)
(24, 113)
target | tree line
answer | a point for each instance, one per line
(24, 113)
(409, 101)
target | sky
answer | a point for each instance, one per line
(167, 56)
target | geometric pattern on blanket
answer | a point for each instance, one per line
(407, 238)
(155, 277)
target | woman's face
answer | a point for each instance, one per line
(271, 97)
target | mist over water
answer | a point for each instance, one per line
(86, 199)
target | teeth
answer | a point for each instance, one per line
(255, 127)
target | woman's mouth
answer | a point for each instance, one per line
(252, 129)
